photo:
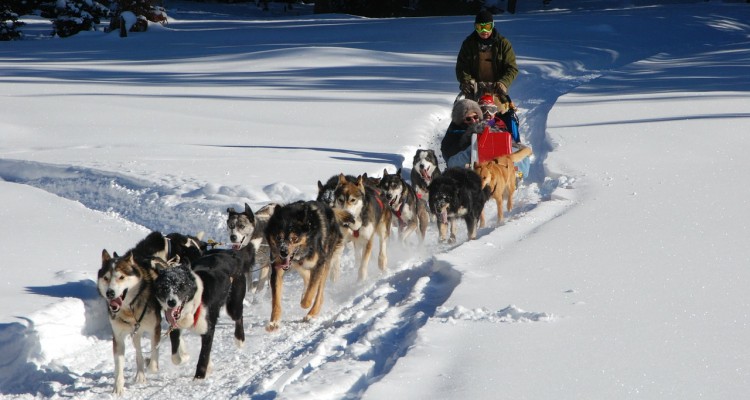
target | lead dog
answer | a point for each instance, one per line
(457, 193)
(424, 170)
(246, 228)
(126, 283)
(410, 212)
(304, 235)
(192, 299)
(499, 175)
(371, 218)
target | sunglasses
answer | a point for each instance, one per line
(486, 27)
(471, 118)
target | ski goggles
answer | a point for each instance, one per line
(486, 27)
(489, 110)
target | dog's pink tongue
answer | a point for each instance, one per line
(172, 315)
(444, 216)
(426, 175)
(115, 304)
(236, 246)
(284, 264)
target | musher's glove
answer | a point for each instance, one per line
(500, 88)
(467, 88)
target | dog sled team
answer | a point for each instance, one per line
(186, 281)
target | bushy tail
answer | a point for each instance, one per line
(520, 154)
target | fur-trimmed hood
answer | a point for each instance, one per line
(463, 107)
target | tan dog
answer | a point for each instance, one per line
(500, 176)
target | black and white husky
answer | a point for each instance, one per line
(424, 170)
(192, 298)
(409, 212)
(247, 228)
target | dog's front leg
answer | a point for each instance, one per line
(454, 229)
(207, 340)
(383, 255)
(235, 307)
(277, 275)
(318, 284)
(179, 355)
(471, 226)
(153, 362)
(118, 350)
(366, 253)
(443, 230)
(140, 374)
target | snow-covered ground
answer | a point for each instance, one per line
(622, 272)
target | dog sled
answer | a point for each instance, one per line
(490, 144)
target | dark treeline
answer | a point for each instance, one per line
(72, 16)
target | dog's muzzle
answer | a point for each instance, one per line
(115, 303)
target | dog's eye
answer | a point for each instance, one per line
(105, 279)
(240, 226)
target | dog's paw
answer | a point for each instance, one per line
(179, 358)
(308, 318)
(239, 343)
(140, 377)
(272, 326)
(153, 364)
(119, 389)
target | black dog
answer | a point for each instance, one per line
(168, 247)
(457, 193)
(192, 299)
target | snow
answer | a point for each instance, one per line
(621, 273)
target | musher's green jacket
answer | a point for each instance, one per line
(503, 59)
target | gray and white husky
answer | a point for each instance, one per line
(247, 228)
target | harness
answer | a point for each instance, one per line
(137, 324)
(380, 204)
(197, 314)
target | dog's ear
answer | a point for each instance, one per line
(398, 172)
(249, 213)
(320, 186)
(361, 181)
(115, 255)
(105, 256)
(342, 179)
(130, 257)
(385, 172)
(231, 211)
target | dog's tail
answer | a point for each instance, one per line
(520, 154)
(343, 217)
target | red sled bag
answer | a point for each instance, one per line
(489, 144)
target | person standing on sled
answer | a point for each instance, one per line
(485, 57)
